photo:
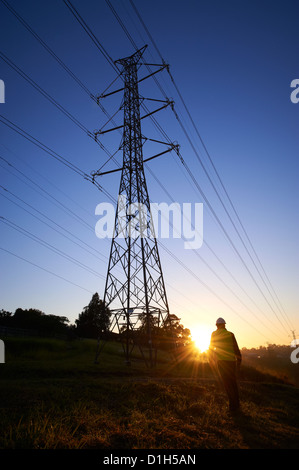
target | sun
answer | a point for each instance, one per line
(201, 337)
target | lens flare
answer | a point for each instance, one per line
(201, 337)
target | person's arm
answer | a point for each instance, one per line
(211, 351)
(236, 349)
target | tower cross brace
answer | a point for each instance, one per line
(134, 291)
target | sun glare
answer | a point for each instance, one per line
(201, 338)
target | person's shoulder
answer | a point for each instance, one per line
(232, 334)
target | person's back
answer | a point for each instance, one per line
(225, 354)
(224, 345)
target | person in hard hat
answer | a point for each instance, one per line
(224, 353)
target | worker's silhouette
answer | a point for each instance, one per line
(225, 355)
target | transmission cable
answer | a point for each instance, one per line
(52, 153)
(110, 58)
(49, 246)
(206, 286)
(53, 222)
(94, 39)
(43, 92)
(53, 101)
(44, 269)
(210, 248)
(211, 161)
(43, 147)
(192, 176)
(42, 190)
(40, 40)
(58, 59)
(222, 227)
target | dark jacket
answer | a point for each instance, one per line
(224, 347)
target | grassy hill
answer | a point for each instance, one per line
(52, 395)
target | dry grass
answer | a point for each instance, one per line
(53, 397)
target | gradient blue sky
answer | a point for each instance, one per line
(233, 62)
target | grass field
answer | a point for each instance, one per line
(53, 396)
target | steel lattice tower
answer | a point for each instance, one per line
(135, 290)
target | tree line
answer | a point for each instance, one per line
(36, 321)
(94, 321)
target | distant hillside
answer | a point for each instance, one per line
(274, 360)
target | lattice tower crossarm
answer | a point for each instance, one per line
(135, 291)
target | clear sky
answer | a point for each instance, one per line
(233, 63)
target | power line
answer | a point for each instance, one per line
(160, 243)
(212, 163)
(43, 92)
(53, 101)
(121, 23)
(52, 153)
(94, 39)
(64, 2)
(82, 221)
(182, 264)
(48, 49)
(44, 269)
(194, 181)
(209, 267)
(66, 68)
(241, 239)
(43, 147)
(206, 286)
(49, 246)
(39, 211)
(40, 176)
(53, 222)
(231, 242)
(58, 59)
(42, 190)
(58, 231)
(222, 226)
(198, 157)
(133, 43)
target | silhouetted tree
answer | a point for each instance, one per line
(46, 325)
(94, 319)
(171, 334)
(5, 317)
(34, 319)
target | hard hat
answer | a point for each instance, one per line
(220, 321)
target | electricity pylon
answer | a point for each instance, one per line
(135, 290)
